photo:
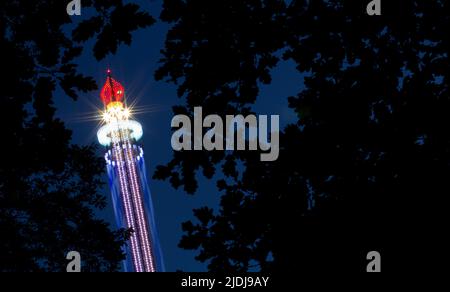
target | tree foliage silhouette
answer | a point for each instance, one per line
(49, 187)
(366, 165)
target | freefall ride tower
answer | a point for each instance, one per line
(127, 179)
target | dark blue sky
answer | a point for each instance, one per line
(134, 67)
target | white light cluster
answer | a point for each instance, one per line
(104, 134)
(116, 113)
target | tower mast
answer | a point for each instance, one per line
(127, 178)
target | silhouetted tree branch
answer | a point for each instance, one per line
(367, 163)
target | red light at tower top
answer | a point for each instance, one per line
(112, 91)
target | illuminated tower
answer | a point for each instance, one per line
(127, 179)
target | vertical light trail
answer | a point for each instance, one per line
(134, 195)
(141, 233)
(138, 203)
(126, 201)
(128, 214)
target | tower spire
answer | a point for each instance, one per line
(112, 90)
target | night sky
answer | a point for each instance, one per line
(134, 67)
